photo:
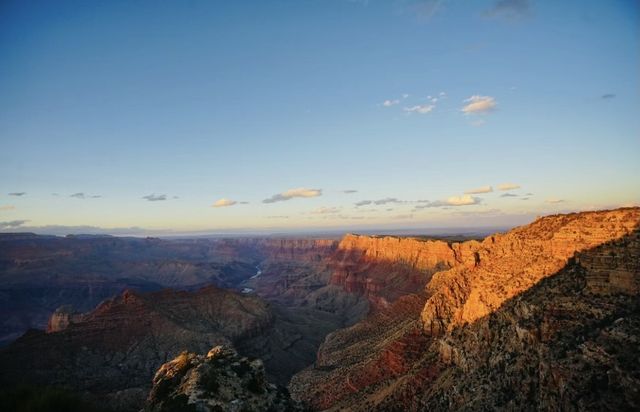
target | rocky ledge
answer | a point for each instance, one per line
(220, 381)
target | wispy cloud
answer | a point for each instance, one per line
(608, 96)
(224, 202)
(387, 200)
(17, 194)
(349, 191)
(325, 210)
(509, 9)
(291, 193)
(483, 189)
(155, 198)
(363, 203)
(554, 200)
(12, 224)
(421, 109)
(477, 104)
(508, 195)
(390, 102)
(508, 186)
(7, 207)
(82, 195)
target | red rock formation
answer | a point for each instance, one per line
(385, 268)
(119, 345)
(62, 318)
(511, 263)
(544, 317)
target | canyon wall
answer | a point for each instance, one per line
(113, 351)
(383, 268)
(543, 317)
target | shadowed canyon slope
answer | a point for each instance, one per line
(543, 317)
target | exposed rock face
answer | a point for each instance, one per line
(355, 362)
(295, 249)
(219, 381)
(509, 264)
(385, 268)
(118, 346)
(62, 318)
(294, 276)
(545, 317)
(559, 345)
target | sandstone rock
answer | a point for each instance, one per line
(383, 268)
(63, 317)
(219, 381)
(545, 317)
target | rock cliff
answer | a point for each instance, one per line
(546, 317)
(114, 350)
(63, 317)
(385, 268)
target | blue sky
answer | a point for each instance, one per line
(153, 113)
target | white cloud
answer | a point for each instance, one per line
(405, 95)
(389, 103)
(291, 193)
(483, 189)
(479, 104)
(464, 200)
(422, 109)
(508, 186)
(554, 200)
(224, 202)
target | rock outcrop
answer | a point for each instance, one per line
(220, 381)
(114, 350)
(63, 317)
(545, 317)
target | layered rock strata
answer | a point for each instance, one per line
(545, 317)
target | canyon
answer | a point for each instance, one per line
(544, 316)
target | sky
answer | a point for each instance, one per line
(222, 116)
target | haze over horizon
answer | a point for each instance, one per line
(314, 115)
